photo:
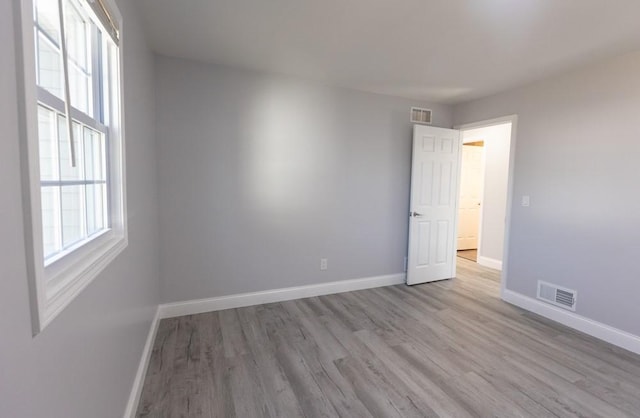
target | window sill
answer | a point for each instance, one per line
(67, 277)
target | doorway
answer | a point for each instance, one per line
(434, 198)
(470, 200)
(484, 184)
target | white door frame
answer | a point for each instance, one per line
(512, 153)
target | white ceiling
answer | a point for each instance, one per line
(439, 50)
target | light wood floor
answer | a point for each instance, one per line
(468, 254)
(446, 349)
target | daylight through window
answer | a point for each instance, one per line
(75, 153)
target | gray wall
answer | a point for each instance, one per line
(494, 199)
(83, 364)
(577, 150)
(261, 176)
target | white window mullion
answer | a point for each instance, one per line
(83, 211)
(36, 39)
(59, 187)
(51, 101)
(57, 201)
(83, 189)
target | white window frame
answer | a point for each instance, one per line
(53, 286)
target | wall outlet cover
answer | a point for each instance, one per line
(324, 264)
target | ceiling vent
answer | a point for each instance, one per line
(556, 295)
(419, 115)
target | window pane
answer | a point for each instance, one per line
(94, 155)
(78, 51)
(79, 89)
(48, 18)
(67, 172)
(78, 36)
(77, 32)
(89, 173)
(48, 142)
(96, 208)
(72, 214)
(51, 232)
(74, 199)
(49, 67)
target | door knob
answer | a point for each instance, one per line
(415, 214)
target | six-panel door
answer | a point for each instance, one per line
(433, 206)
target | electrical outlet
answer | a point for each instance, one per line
(525, 201)
(324, 264)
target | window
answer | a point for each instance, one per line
(72, 143)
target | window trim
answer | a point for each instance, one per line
(52, 288)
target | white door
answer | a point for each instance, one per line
(433, 206)
(470, 197)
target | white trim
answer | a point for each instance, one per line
(483, 195)
(138, 382)
(29, 157)
(492, 263)
(486, 123)
(191, 307)
(593, 328)
(512, 158)
(456, 210)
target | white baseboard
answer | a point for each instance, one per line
(596, 329)
(492, 263)
(240, 300)
(138, 383)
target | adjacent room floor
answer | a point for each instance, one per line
(468, 254)
(445, 349)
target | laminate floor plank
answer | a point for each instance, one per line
(515, 344)
(445, 349)
(216, 368)
(289, 339)
(593, 404)
(234, 341)
(417, 382)
(154, 400)
(189, 397)
(279, 395)
(320, 360)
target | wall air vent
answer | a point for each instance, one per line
(556, 295)
(419, 115)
